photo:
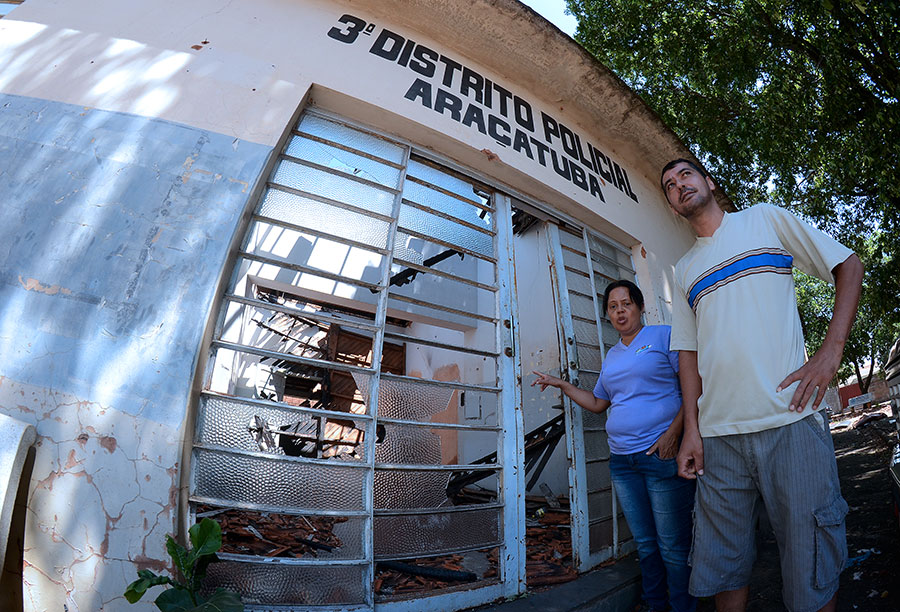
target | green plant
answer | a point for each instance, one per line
(206, 539)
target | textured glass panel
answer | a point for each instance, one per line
(453, 233)
(582, 306)
(443, 179)
(351, 137)
(596, 445)
(598, 245)
(589, 357)
(332, 186)
(269, 534)
(445, 292)
(578, 282)
(624, 258)
(600, 284)
(446, 204)
(339, 159)
(433, 533)
(422, 402)
(576, 261)
(599, 504)
(573, 241)
(276, 482)
(232, 424)
(604, 267)
(610, 335)
(395, 489)
(278, 583)
(407, 444)
(439, 257)
(324, 218)
(597, 475)
(586, 331)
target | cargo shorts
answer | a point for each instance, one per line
(792, 470)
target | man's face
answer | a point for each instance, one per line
(687, 191)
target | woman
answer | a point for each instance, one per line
(639, 385)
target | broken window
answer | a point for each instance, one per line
(350, 425)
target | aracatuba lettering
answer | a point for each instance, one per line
(450, 88)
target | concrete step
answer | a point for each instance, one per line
(616, 588)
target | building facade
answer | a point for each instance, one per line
(289, 264)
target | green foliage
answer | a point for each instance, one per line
(206, 539)
(793, 102)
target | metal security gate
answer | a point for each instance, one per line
(582, 264)
(357, 425)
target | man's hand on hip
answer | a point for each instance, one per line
(814, 376)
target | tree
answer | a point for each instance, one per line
(794, 102)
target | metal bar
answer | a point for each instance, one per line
(573, 414)
(310, 361)
(307, 270)
(439, 553)
(509, 372)
(287, 459)
(313, 232)
(441, 345)
(375, 384)
(329, 201)
(450, 467)
(449, 245)
(261, 560)
(447, 216)
(452, 194)
(439, 510)
(344, 147)
(451, 598)
(599, 323)
(225, 503)
(281, 405)
(441, 273)
(435, 425)
(440, 383)
(334, 319)
(345, 175)
(462, 313)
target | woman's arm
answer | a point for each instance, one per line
(583, 398)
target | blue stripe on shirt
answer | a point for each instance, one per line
(737, 268)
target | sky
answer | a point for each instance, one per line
(554, 12)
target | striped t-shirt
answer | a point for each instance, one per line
(737, 308)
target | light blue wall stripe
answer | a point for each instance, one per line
(114, 231)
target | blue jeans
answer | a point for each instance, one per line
(657, 504)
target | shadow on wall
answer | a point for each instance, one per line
(115, 230)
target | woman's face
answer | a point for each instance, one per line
(624, 313)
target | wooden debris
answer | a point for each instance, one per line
(268, 534)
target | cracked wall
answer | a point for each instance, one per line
(115, 230)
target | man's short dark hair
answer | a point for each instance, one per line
(674, 163)
(633, 292)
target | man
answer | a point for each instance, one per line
(749, 435)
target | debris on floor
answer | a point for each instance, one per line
(548, 542)
(268, 534)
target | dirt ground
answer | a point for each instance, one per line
(871, 583)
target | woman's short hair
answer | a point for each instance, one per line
(633, 292)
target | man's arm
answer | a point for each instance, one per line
(816, 373)
(690, 456)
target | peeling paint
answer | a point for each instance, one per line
(32, 284)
